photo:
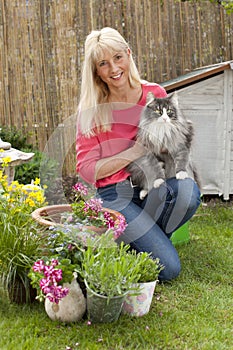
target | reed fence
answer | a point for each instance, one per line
(41, 53)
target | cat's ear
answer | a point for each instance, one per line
(174, 99)
(150, 97)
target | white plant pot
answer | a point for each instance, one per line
(139, 305)
(69, 309)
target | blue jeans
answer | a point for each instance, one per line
(152, 221)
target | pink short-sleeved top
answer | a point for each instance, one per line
(106, 144)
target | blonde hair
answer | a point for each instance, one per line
(94, 111)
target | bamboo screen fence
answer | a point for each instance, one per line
(41, 52)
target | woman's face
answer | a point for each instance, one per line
(113, 68)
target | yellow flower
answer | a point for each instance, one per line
(6, 160)
(30, 202)
(36, 181)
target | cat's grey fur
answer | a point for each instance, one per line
(167, 137)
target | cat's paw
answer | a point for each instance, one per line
(181, 175)
(143, 194)
(158, 182)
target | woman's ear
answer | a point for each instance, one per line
(128, 51)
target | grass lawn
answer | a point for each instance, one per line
(193, 312)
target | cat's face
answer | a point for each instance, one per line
(162, 110)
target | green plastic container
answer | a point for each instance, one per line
(181, 235)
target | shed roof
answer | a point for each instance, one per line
(196, 75)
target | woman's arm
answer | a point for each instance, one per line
(110, 165)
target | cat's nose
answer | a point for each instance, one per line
(164, 115)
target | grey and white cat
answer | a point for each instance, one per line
(167, 137)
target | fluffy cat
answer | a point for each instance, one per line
(167, 136)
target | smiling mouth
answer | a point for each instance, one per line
(117, 77)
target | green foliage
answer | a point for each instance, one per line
(39, 163)
(20, 245)
(111, 269)
(227, 5)
(32, 169)
(192, 312)
(149, 268)
(16, 137)
(19, 239)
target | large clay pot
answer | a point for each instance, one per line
(51, 215)
(69, 309)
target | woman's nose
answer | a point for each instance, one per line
(113, 66)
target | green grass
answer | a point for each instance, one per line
(193, 312)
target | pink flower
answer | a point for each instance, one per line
(45, 285)
(109, 220)
(93, 204)
(120, 226)
(57, 293)
(48, 270)
(57, 275)
(82, 189)
(54, 262)
(38, 266)
(49, 283)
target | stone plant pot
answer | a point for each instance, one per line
(69, 309)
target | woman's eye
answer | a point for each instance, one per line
(101, 64)
(118, 57)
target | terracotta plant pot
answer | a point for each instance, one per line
(51, 216)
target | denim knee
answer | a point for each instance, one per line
(170, 271)
(188, 192)
(159, 246)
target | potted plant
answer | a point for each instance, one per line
(110, 271)
(138, 304)
(19, 240)
(56, 283)
(85, 214)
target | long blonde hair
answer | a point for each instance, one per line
(94, 111)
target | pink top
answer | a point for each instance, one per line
(106, 144)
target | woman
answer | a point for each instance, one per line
(111, 101)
